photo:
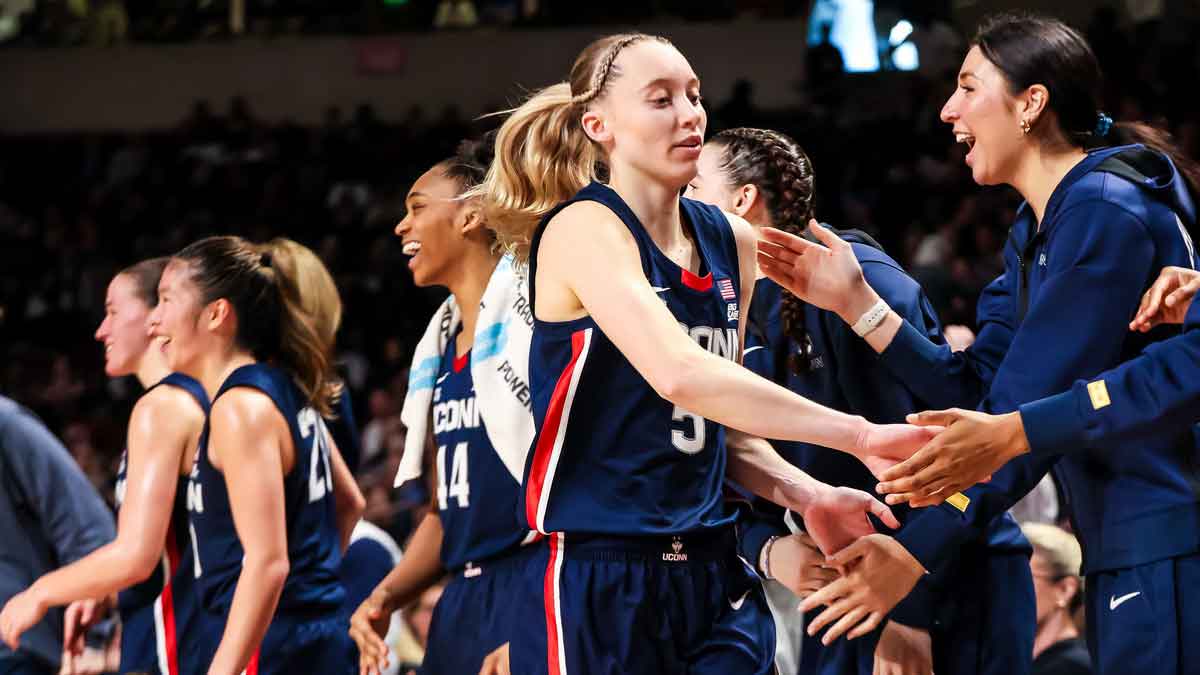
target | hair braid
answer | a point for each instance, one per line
(783, 174)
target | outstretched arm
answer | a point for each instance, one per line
(164, 425)
(588, 264)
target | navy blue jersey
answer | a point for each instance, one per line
(611, 456)
(161, 615)
(314, 542)
(476, 494)
(344, 430)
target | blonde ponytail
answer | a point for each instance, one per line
(543, 157)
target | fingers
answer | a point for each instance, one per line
(853, 552)
(782, 254)
(872, 622)
(826, 595)
(830, 615)
(825, 235)
(791, 242)
(848, 621)
(904, 471)
(87, 613)
(920, 482)
(884, 514)
(943, 418)
(776, 271)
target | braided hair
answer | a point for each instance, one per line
(783, 174)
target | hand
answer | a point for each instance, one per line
(78, 619)
(368, 627)
(972, 446)
(1168, 299)
(827, 276)
(837, 516)
(959, 337)
(798, 564)
(903, 651)
(879, 572)
(882, 446)
(496, 663)
(22, 612)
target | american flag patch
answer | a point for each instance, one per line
(726, 288)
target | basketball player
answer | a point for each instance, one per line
(150, 563)
(271, 501)
(637, 298)
(471, 530)
(766, 178)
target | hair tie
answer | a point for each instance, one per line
(265, 260)
(1103, 124)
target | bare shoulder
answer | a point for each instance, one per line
(167, 408)
(743, 232)
(246, 410)
(585, 223)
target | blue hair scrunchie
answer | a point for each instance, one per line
(1103, 124)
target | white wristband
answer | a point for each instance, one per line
(764, 558)
(871, 319)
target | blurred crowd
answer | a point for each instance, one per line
(76, 208)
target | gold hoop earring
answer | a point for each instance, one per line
(1025, 126)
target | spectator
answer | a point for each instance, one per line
(49, 516)
(1057, 647)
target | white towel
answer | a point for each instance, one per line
(499, 368)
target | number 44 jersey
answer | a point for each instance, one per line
(314, 543)
(476, 494)
(611, 456)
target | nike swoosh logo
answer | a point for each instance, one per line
(659, 289)
(750, 349)
(735, 605)
(442, 378)
(1115, 602)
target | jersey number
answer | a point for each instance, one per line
(320, 478)
(688, 442)
(458, 488)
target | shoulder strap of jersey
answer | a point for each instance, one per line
(594, 192)
(714, 234)
(258, 376)
(187, 384)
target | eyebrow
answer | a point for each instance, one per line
(966, 73)
(667, 81)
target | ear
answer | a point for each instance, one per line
(744, 199)
(470, 218)
(595, 127)
(217, 314)
(1032, 103)
(1068, 587)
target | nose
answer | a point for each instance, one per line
(153, 321)
(691, 115)
(102, 330)
(403, 226)
(949, 113)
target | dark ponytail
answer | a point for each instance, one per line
(1032, 49)
(783, 174)
(272, 323)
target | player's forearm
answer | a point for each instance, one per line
(755, 465)
(420, 568)
(706, 385)
(254, 602)
(107, 570)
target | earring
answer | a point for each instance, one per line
(1025, 126)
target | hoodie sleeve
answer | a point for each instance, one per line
(1159, 388)
(1099, 260)
(944, 378)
